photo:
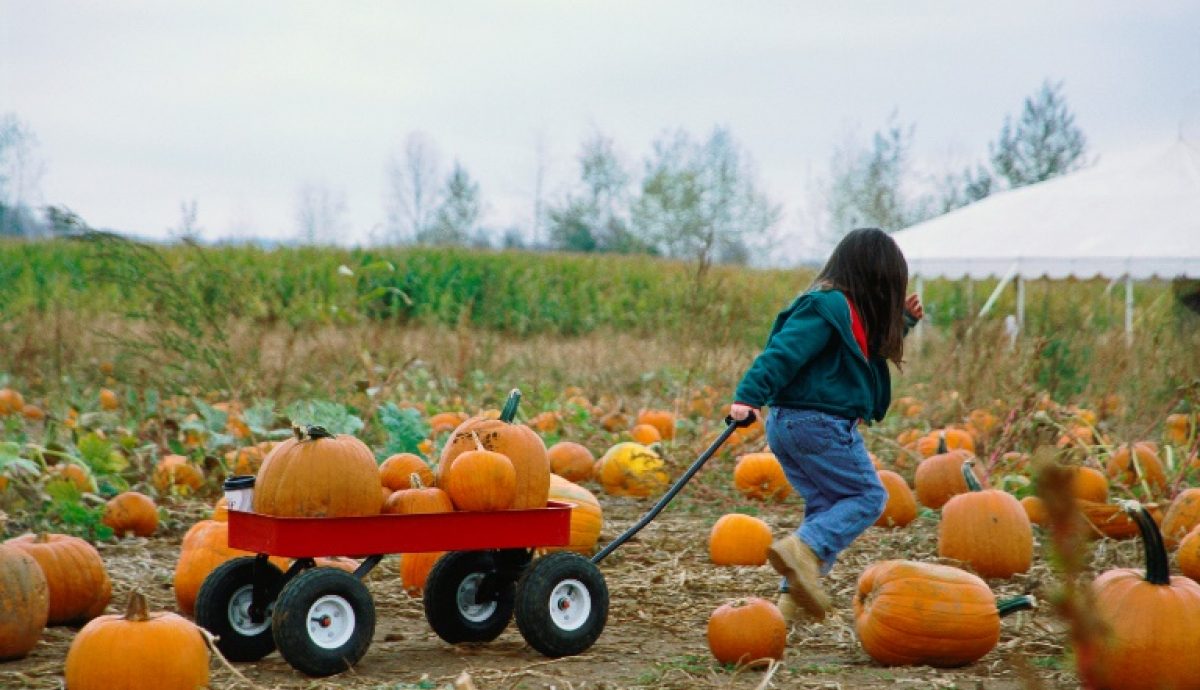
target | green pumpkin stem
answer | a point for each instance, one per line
(941, 447)
(310, 433)
(1014, 604)
(509, 413)
(1158, 568)
(137, 609)
(972, 482)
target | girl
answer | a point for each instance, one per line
(824, 368)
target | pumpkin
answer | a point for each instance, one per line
(175, 473)
(414, 570)
(631, 469)
(1078, 435)
(78, 584)
(614, 421)
(109, 400)
(1111, 520)
(988, 530)
(77, 475)
(396, 472)
(1035, 509)
(587, 518)
(662, 420)
(937, 442)
(25, 601)
(1177, 429)
(748, 632)
(1182, 515)
(738, 539)
(317, 474)
(131, 513)
(1089, 484)
(546, 422)
(517, 442)
(221, 510)
(901, 507)
(1152, 621)
(205, 546)
(138, 649)
(418, 499)
(481, 480)
(760, 476)
(940, 477)
(33, 413)
(244, 461)
(11, 402)
(981, 423)
(1123, 468)
(908, 406)
(444, 422)
(1189, 554)
(910, 614)
(645, 434)
(571, 461)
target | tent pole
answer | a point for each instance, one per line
(970, 295)
(1128, 310)
(920, 287)
(1021, 303)
(1004, 281)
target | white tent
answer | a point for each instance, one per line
(1118, 219)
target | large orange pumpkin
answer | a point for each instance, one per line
(517, 442)
(414, 570)
(631, 469)
(1111, 520)
(1151, 620)
(910, 614)
(418, 499)
(25, 601)
(396, 472)
(1122, 467)
(138, 649)
(988, 530)
(1188, 554)
(444, 422)
(175, 473)
(481, 480)
(663, 420)
(738, 539)
(587, 518)
(760, 476)
(1182, 515)
(205, 546)
(78, 583)
(940, 477)
(901, 507)
(571, 461)
(1089, 484)
(1035, 508)
(315, 474)
(747, 631)
(131, 513)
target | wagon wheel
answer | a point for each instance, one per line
(223, 608)
(562, 604)
(323, 622)
(467, 599)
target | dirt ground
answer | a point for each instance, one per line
(662, 590)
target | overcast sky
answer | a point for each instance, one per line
(140, 106)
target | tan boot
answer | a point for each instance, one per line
(791, 612)
(794, 560)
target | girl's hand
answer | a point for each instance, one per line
(738, 411)
(913, 306)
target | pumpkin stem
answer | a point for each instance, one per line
(941, 447)
(298, 431)
(1158, 568)
(41, 538)
(478, 444)
(414, 481)
(316, 432)
(509, 413)
(969, 475)
(1014, 604)
(137, 609)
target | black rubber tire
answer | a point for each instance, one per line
(535, 590)
(212, 608)
(442, 609)
(290, 623)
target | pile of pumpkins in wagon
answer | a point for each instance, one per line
(905, 612)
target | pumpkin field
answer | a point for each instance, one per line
(1044, 493)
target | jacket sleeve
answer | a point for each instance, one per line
(910, 322)
(803, 335)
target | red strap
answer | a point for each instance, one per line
(857, 327)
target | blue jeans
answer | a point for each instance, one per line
(825, 461)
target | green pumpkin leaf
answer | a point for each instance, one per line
(335, 417)
(405, 427)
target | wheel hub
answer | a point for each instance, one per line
(331, 622)
(570, 605)
(240, 617)
(469, 605)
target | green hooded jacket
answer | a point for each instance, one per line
(811, 361)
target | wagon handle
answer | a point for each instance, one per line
(730, 426)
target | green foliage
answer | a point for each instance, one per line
(100, 456)
(1043, 143)
(335, 417)
(406, 428)
(67, 513)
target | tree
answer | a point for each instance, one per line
(456, 219)
(413, 188)
(595, 217)
(867, 185)
(960, 189)
(20, 173)
(320, 214)
(1044, 143)
(700, 200)
(188, 229)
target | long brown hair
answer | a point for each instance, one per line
(868, 266)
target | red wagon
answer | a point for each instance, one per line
(322, 619)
